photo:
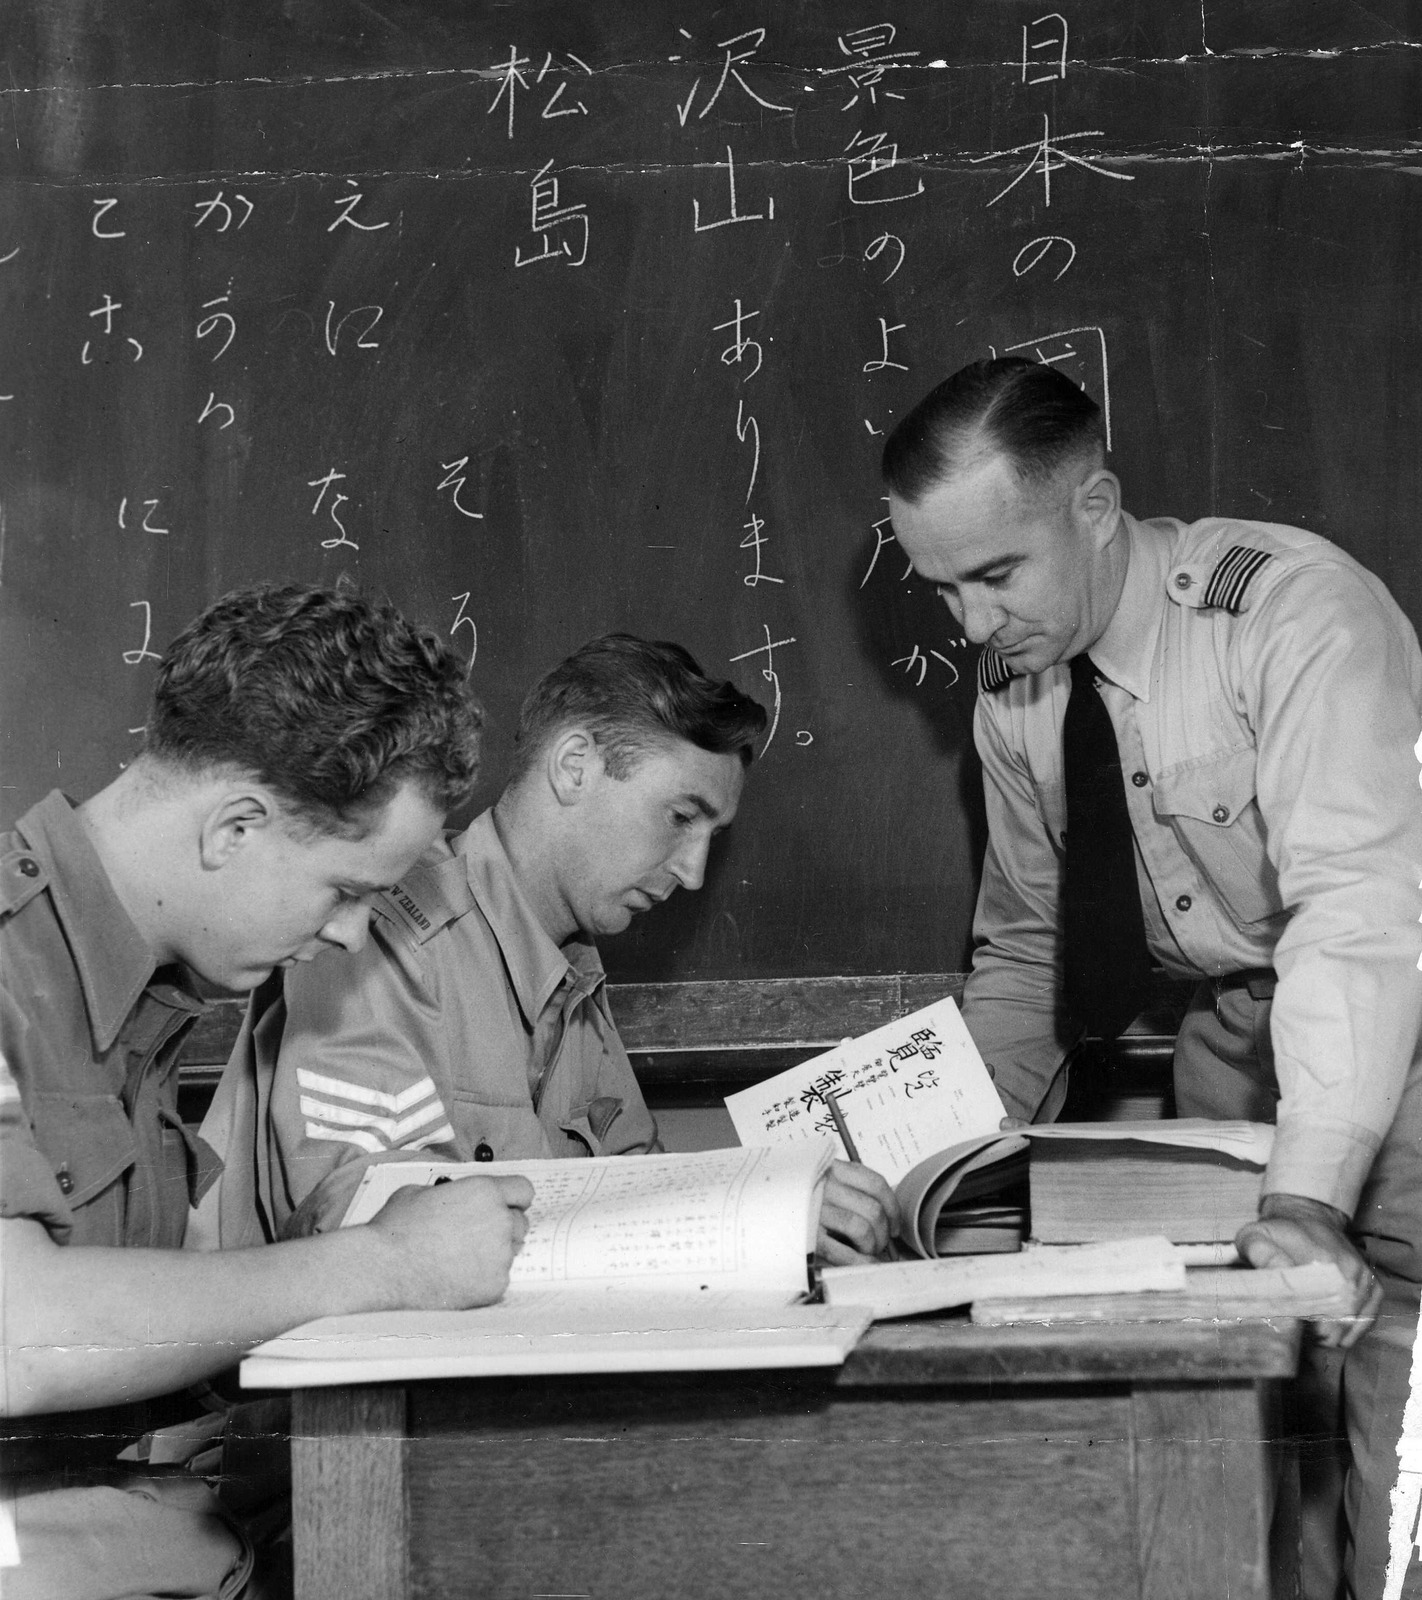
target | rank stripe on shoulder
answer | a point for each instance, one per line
(1234, 572)
(993, 672)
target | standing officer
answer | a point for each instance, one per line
(1197, 750)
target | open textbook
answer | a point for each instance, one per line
(652, 1263)
(920, 1108)
(743, 1220)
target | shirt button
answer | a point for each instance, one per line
(28, 867)
(483, 1151)
(65, 1182)
(1139, 779)
(1183, 580)
(1183, 903)
(1220, 813)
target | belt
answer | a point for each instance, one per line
(1259, 981)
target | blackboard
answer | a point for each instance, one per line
(453, 298)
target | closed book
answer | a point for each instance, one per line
(1089, 1189)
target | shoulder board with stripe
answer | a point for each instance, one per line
(993, 672)
(1229, 583)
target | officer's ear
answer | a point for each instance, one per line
(573, 763)
(1097, 503)
(239, 819)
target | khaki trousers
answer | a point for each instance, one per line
(137, 1539)
(1348, 1406)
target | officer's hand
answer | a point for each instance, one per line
(1292, 1231)
(451, 1246)
(859, 1216)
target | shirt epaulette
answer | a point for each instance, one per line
(21, 879)
(993, 672)
(423, 903)
(1228, 585)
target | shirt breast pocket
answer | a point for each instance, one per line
(90, 1145)
(1213, 809)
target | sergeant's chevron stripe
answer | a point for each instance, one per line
(993, 672)
(376, 1120)
(1234, 572)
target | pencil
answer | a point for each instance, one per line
(841, 1126)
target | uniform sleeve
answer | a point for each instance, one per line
(353, 1077)
(28, 1187)
(1010, 999)
(1331, 680)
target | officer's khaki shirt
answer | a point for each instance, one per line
(1266, 704)
(460, 1030)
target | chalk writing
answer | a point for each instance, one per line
(463, 620)
(453, 480)
(209, 208)
(883, 361)
(511, 80)
(768, 215)
(1048, 33)
(213, 323)
(337, 501)
(876, 247)
(345, 204)
(143, 653)
(576, 108)
(770, 675)
(150, 506)
(735, 352)
(869, 59)
(549, 217)
(101, 210)
(740, 51)
(1036, 250)
(881, 538)
(748, 427)
(106, 311)
(213, 406)
(1048, 157)
(753, 541)
(363, 339)
(875, 158)
(916, 658)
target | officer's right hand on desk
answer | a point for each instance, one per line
(1291, 1231)
(451, 1246)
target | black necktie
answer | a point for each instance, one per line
(1105, 964)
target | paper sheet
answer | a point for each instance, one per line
(558, 1331)
(906, 1091)
(905, 1288)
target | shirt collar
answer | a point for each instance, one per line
(111, 956)
(1125, 653)
(536, 966)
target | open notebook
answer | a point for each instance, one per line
(660, 1263)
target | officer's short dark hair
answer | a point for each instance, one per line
(332, 700)
(1024, 410)
(632, 694)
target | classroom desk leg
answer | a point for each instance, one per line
(1204, 1490)
(348, 1493)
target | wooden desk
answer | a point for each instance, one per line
(943, 1460)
